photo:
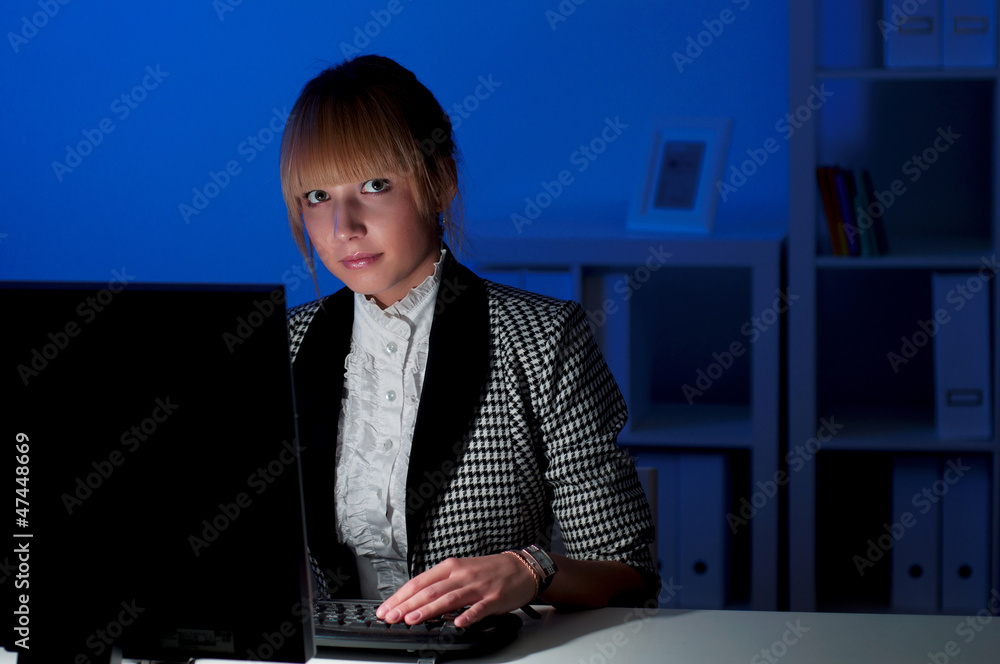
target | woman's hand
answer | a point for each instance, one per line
(488, 585)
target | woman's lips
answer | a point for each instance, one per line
(359, 260)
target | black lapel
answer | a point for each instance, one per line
(318, 375)
(458, 361)
(457, 369)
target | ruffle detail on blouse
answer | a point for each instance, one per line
(368, 419)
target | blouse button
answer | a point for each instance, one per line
(385, 540)
(387, 445)
(391, 347)
(390, 396)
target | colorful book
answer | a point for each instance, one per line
(844, 185)
(863, 216)
(854, 214)
(831, 208)
(881, 239)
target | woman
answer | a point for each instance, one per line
(445, 420)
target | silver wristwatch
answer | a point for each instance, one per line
(542, 565)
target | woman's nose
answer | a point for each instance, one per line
(347, 223)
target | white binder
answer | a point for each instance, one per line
(962, 364)
(703, 533)
(912, 33)
(965, 541)
(663, 465)
(969, 33)
(649, 478)
(916, 560)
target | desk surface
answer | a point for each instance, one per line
(663, 636)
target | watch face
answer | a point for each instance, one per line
(543, 559)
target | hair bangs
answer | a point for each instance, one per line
(338, 141)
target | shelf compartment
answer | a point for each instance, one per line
(686, 366)
(928, 146)
(864, 316)
(855, 544)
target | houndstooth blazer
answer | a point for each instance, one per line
(517, 426)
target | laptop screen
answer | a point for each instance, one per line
(160, 510)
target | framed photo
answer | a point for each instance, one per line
(677, 192)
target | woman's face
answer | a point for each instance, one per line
(371, 236)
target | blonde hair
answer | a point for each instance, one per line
(365, 118)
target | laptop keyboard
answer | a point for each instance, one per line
(352, 624)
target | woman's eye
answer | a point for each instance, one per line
(375, 186)
(317, 196)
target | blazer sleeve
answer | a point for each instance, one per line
(602, 511)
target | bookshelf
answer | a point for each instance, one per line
(666, 311)
(857, 310)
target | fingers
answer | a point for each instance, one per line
(488, 584)
(430, 608)
(419, 598)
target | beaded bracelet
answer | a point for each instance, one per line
(524, 562)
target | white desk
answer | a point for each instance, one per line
(660, 637)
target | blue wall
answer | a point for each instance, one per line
(155, 99)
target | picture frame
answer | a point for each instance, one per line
(676, 191)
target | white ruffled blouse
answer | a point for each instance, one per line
(384, 375)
